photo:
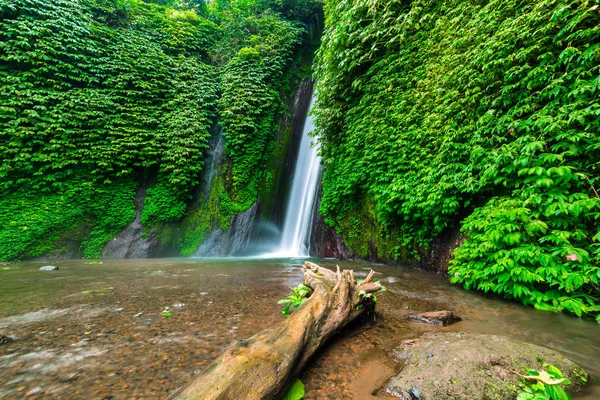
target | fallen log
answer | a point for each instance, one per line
(263, 366)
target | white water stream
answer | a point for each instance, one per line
(295, 239)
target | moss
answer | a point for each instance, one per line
(35, 224)
(167, 234)
(273, 177)
(367, 237)
(69, 243)
(204, 217)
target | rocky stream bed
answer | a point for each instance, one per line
(97, 331)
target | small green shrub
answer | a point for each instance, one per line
(162, 203)
(544, 384)
(297, 296)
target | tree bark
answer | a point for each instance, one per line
(263, 366)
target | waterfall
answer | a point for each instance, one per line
(280, 229)
(295, 239)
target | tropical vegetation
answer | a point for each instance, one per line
(438, 116)
(101, 97)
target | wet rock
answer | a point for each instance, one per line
(324, 240)
(441, 318)
(16, 381)
(69, 377)
(48, 268)
(218, 243)
(471, 366)
(414, 393)
(34, 391)
(6, 339)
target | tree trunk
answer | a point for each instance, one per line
(263, 366)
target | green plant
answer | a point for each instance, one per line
(113, 93)
(439, 115)
(166, 313)
(295, 392)
(250, 101)
(297, 296)
(544, 384)
(366, 299)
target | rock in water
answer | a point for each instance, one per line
(442, 318)
(471, 366)
(48, 268)
(68, 377)
(6, 339)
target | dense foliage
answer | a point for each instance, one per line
(251, 84)
(105, 96)
(436, 110)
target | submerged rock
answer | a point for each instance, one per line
(471, 366)
(68, 377)
(442, 318)
(6, 339)
(48, 268)
(34, 391)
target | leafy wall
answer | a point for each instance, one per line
(101, 96)
(482, 115)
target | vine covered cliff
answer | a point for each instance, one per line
(103, 98)
(481, 116)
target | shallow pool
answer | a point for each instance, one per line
(97, 331)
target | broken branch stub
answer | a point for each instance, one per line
(263, 366)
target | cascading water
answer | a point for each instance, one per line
(295, 239)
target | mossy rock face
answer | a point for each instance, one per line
(472, 366)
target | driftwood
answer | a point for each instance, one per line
(263, 366)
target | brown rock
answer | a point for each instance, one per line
(69, 377)
(5, 339)
(442, 318)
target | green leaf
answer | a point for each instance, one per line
(295, 392)
(525, 396)
(286, 309)
(556, 392)
(554, 372)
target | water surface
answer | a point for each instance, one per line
(96, 331)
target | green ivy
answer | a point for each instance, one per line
(435, 111)
(32, 223)
(97, 92)
(250, 101)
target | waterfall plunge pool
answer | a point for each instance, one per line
(96, 331)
